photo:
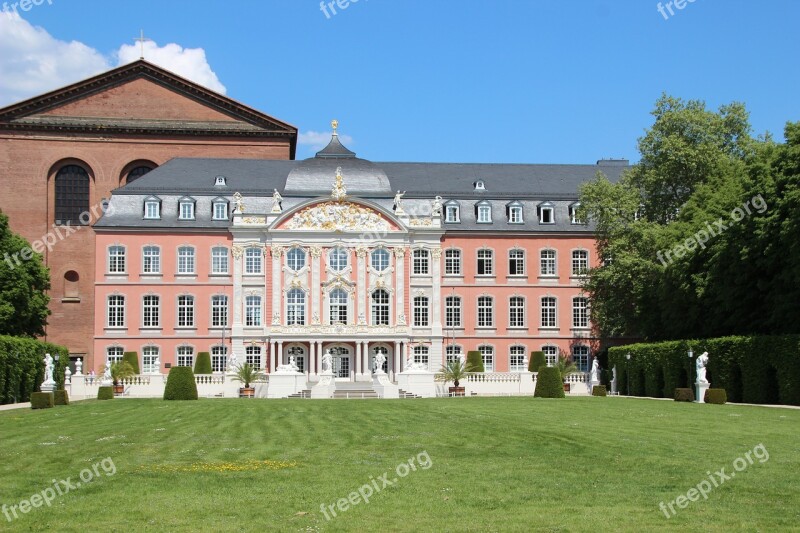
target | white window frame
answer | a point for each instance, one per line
(149, 260)
(452, 353)
(580, 356)
(252, 311)
(421, 355)
(219, 358)
(452, 311)
(115, 312)
(185, 311)
(580, 312)
(186, 210)
(117, 259)
(546, 262)
(295, 258)
(187, 256)
(483, 214)
(215, 210)
(485, 312)
(546, 207)
(338, 259)
(580, 262)
(116, 356)
(380, 259)
(420, 262)
(338, 307)
(518, 261)
(150, 354)
(296, 307)
(181, 355)
(452, 262)
(550, 354)
(549, 313)
(573, 213)
(253, 261)
(219, 258)
(153, 310)
(515, 214)
(452, 213)
(516, 358)
(152, 209)
(219, 310)
(421, 311)
(516, 311)
(380, 310)
(487, 357)
(485, 262)
(254, 356)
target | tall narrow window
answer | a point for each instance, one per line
(485, 262)
(185, 311)
(337, 259)
(421, 355)
(72, 195)
(149, 360)
(220, 210)
(453, 353)
(452, 312)
(515, 214)
(152, 208)
(252, 356)
(380, 308)
(485, 312)
(296, 307)
(219, 311)
(580, 262)
(116, 259)
(484, 214)
(451, 214)
(186, 209)
(487, 356)
(546, 213)
(516, 312)
(574, 213)
(151, 311)
(548, 262)
(219, 358)
(421, 311)
(219, 260)
(550, 355)
(421, 262)
(452, 262)
(295, 258)
(338, 307)
(252, 311)
(380, 259)
(580, 312)
(185, 260)
(580, 355)
(185, 356)
(114, 354)
(516, 359)
(252, 260)
(116, 311)
(548, 312)
(516, 262)
(151, 260)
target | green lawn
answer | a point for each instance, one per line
(496, 464)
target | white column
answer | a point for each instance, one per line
(277, 282)
(399, 269)
(311, 367)
(358, 359)
(368, 368)
(316, 269)
(280, 352)
(237, 303)
(436, 270)
(272, 356)
(361, 284)
(396, 359)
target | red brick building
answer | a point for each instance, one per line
(62, 153)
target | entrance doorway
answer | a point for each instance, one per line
(341, 362)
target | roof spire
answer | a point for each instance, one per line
(335, 126)
(141, 40)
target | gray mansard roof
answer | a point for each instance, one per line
(299, 181)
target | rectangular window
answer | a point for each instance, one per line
(485, 312)
(546, 215)
(515, 215)
(452, 262)
(580, 355)
(548, 312)
(185, 260)
(452, 353)
(580, 313)
(550, 355)
(421, 355)
(548, 262)
(421, 262)
(220, 211)
(150, 362)
(516, 262)
(421, 311)
(252, 356)
(487, 356)
(252, 311)
(151, 260)
(573, 214)
(516, 312)
(484, 214)
(116, 311)
(152, 209)
(517, 359)
(219, 358)
(580, 262)
(186, 210)
(451, 213)
(252, 261)
(116, 259)
(114, 354)
(219, 311)
(151, 311)
(485, 263)
(296, 307)
(219, 260)
(185, 311)
(337, 311)
(380, 308)
(185, 356)
(452, 312)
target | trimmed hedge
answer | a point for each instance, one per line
(537, 361)
(61, 397)
(202, 364)
(474, 358)
(180, 384)
(757, 369)
(105, 393)
(599, 390)
(22, 367)
(133, 359)
(549, 384)
(42, 400)
(717, 396)
(684, 395)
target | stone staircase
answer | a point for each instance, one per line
(407, 395)
(354, 390)
(306, 393)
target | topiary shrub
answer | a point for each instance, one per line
(133, 359)
(60, 397)
(105, 393)
(474, 358)
(549, 384)
(684, 395)
(537, 361)
(202, 365)
(180, 384)
(42, 400)
(717, 396)
(599, 390)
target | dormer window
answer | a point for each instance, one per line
(219, 209)
(452, 212)
(186, 209)
(546, 212)
(220, 181)
(483, 212)
(152, 208)
(480, 185)
(573, 213)
(514, 212)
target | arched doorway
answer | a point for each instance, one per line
(300, 354)
(342, 361)
(387, 352)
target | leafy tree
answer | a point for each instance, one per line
(24, 281)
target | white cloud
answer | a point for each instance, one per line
(33, 62)
(317, 140)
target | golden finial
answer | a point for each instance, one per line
(334, 125)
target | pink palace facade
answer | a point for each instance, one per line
(262, 260)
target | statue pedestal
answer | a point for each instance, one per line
(284, 384)
(700, 391)
(48, 386)
(384, 387)
(325, 386)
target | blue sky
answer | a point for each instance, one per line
(468, 81)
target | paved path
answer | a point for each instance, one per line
(671, 400)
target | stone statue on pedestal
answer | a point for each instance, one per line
(595, 373)
(702, 363)
(79, 367)
(327, 362)
(48, 369)
(379, 360)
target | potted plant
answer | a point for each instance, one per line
(121, 370)
(247, 374)
(455, 371)
(566, 367)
